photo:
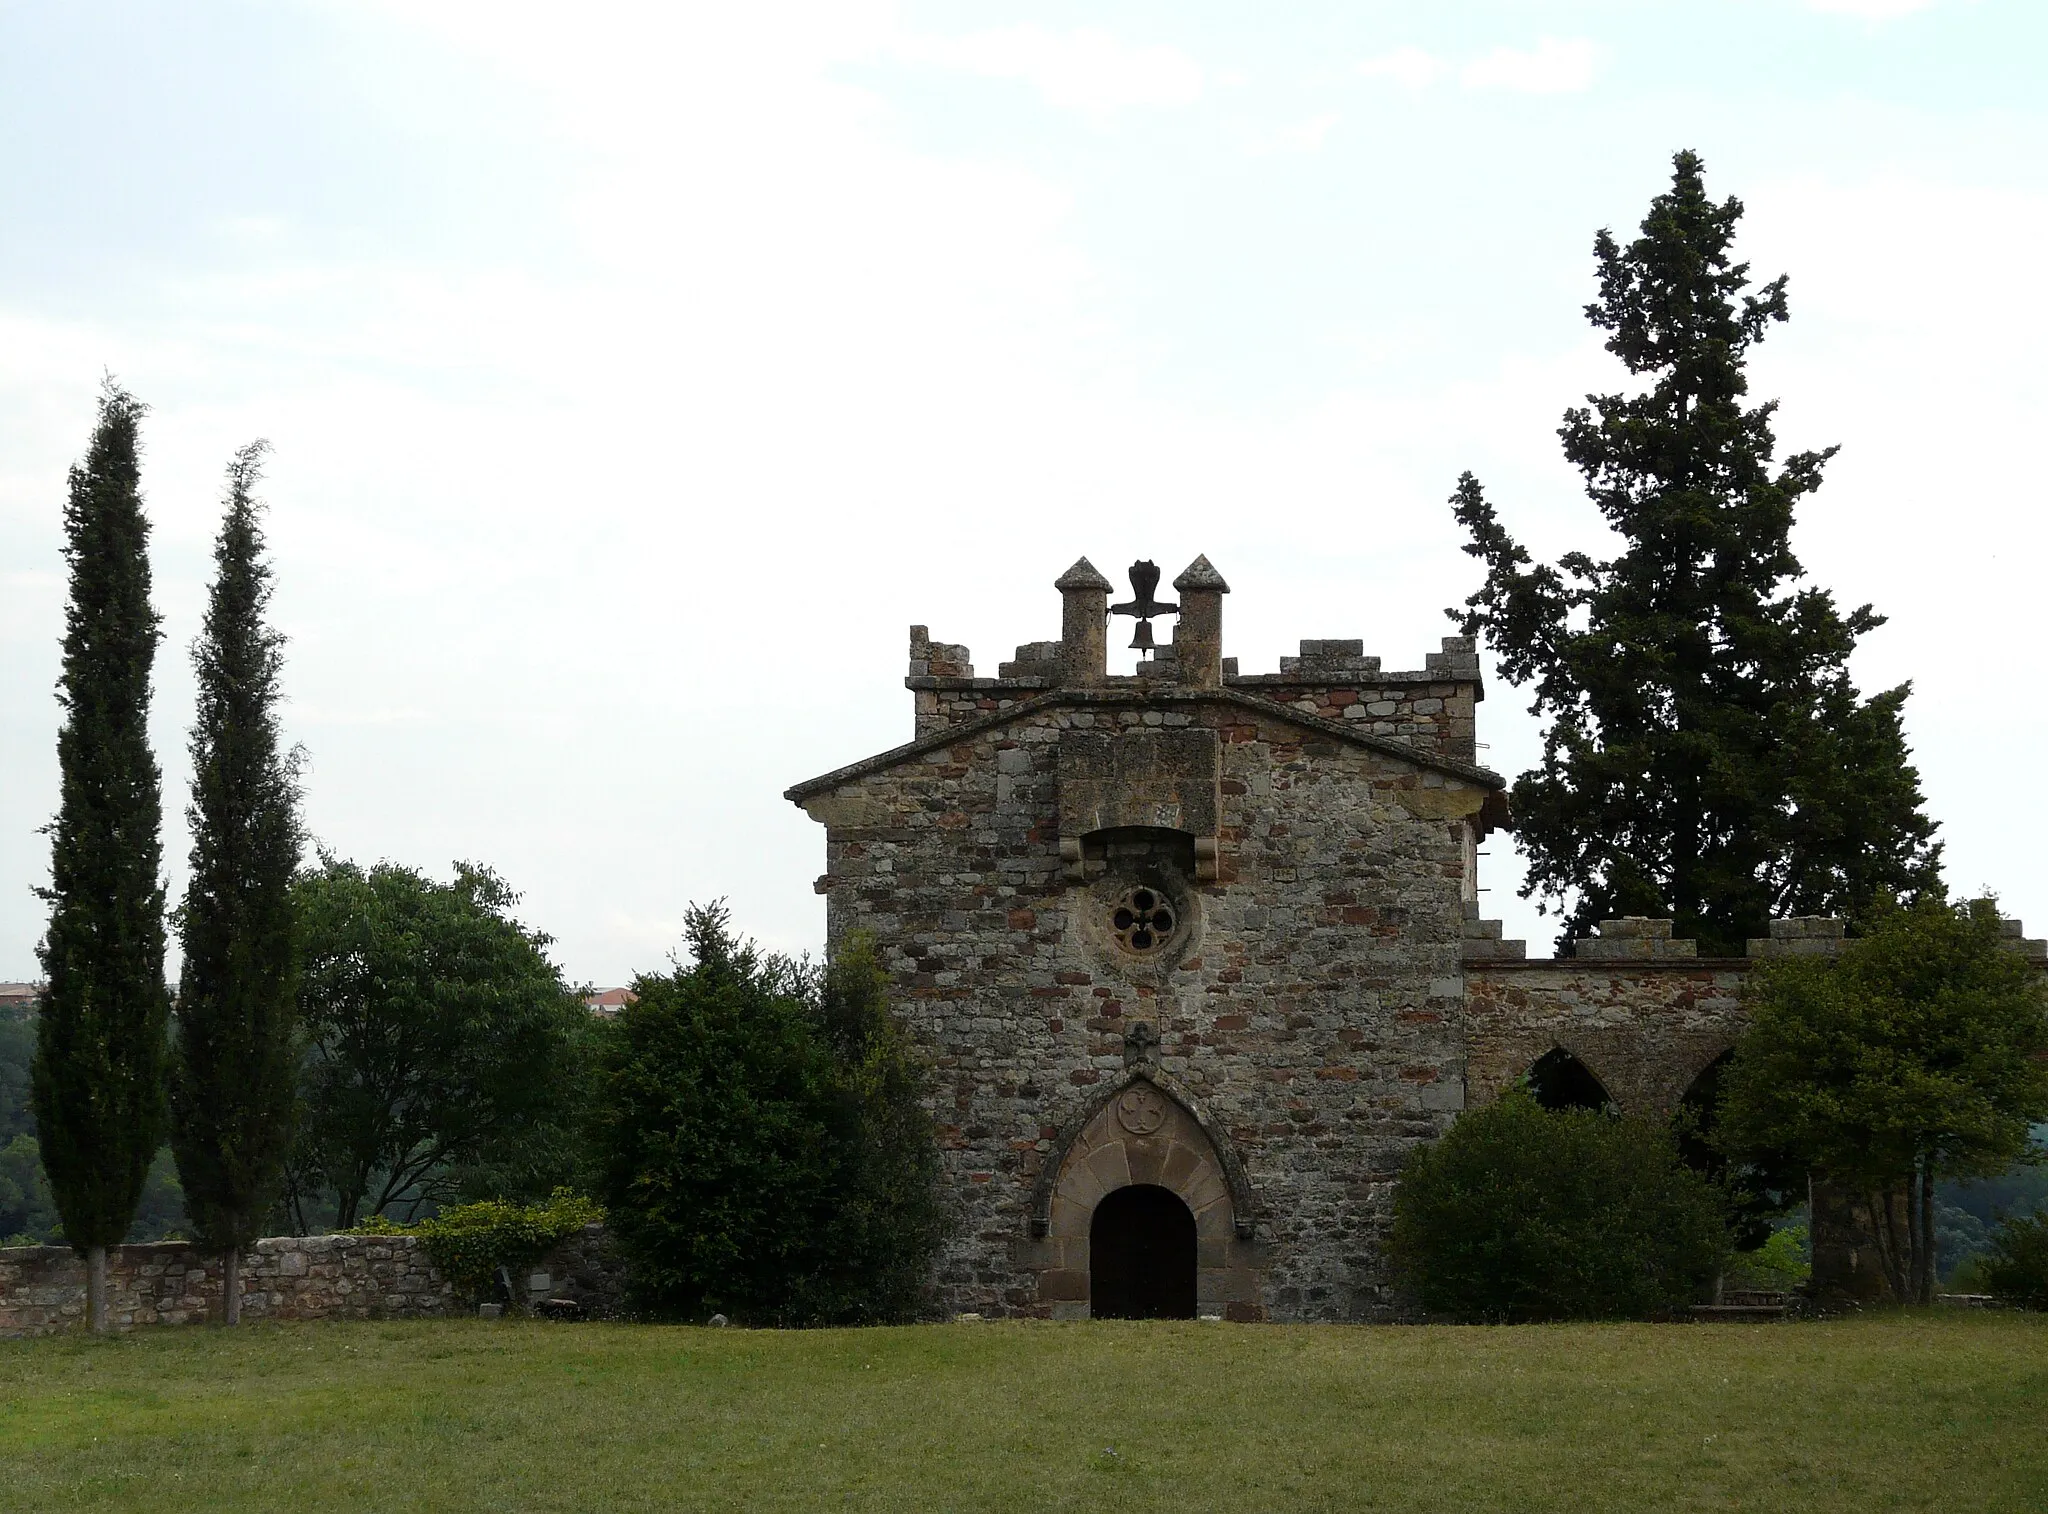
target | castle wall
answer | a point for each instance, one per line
(1315, 1013)
(1645, 1029)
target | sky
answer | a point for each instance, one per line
(637, 374)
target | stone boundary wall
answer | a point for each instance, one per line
(42, 1288)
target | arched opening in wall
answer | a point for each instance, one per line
(1699, 1112)
(1560, 1080)
(1759, 1189)
(1141, 1255)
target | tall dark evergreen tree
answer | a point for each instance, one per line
(98, 1080)
(234, 1065)
(1707, 755)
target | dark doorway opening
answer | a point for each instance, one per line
(1141, 1256)
(1560, 1080)
(1760, 1188)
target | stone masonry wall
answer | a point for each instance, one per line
(42, 1288)
(1642, 1011)
(1315, 1012)
(1433, 710)
(1645, 1029)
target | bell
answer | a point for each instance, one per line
(1143, 640)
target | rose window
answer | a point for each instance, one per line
(1144, 921)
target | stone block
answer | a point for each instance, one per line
(1634, 927)
(1808, 927)
(1062, 1285)
(1792, 946)
(1633, 948)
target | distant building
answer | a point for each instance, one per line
(609, 1001)
(16, 998)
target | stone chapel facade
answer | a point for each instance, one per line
(1198, 958)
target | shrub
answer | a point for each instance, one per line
(1523, 1213)
(1783, 1262)
(469, 1243)
(765, 1155)
(2016, 1266)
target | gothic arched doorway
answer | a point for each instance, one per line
(1141, 1251)
(1142, 1177)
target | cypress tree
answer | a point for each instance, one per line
(1707, 756)
(233, 1065)
(97, 1084)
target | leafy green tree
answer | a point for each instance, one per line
(2015, 1266)
(434, 1034)
(1525, 1213)
(234, 1062)
(17, 1054)
(1782, 1263)
(98, 1079)
(1707, 756)
(1967, 1213)
(28, 1215)
(1921, 1052)
(765, 1155)
(890, 1220)
(553, 1149)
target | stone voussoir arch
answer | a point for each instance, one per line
(1145, 1129)
(1244, 1209)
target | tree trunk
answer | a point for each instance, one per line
(1926, 1237)
(231, 1286)
(96, 1289)
(1912, 1294)
(1884, 1234)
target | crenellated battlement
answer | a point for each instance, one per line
(1640, 939)
(1432, 708)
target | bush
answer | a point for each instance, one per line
(471, 1242)
(1523, 1213)
(1782, 1263)
(2016, 1266)
(764, 1151)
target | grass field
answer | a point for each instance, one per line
(1932, 1411)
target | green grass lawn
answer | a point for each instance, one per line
(1924, 1411)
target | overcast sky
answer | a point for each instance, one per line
(638, 374)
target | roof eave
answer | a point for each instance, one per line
(953, 735)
